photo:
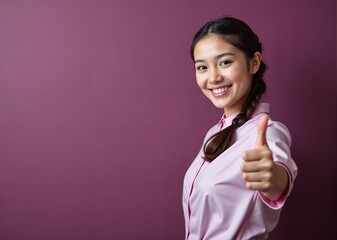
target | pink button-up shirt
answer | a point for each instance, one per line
(216, 203)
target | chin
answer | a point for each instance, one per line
(221, 106)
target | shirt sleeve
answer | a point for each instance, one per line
(279, 142)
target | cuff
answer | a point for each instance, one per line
(277, 204)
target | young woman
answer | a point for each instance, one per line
(239, 181)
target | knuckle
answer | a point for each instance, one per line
(268, 176)
(243, 167)
(269, 166)
(267, 152)
(249, 186)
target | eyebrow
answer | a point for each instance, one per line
(217, 57)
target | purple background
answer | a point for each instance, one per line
(100, 115)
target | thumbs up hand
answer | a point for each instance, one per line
(261, 131)
(258, 169)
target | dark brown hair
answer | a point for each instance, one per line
(240, 35)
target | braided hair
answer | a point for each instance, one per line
(240, 35)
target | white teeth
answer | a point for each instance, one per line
(220, 90)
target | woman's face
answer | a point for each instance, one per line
(223, 73)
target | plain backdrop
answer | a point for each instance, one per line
(100, 114)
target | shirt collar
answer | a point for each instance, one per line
(227, 121)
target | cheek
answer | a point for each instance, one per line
(242, 80)
(236, 76)
(201, 81)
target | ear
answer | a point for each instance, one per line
(255, 62)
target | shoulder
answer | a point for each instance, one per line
(276, 131)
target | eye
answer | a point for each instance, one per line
(225, 63)
(201, 68)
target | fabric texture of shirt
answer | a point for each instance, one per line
(217, 205)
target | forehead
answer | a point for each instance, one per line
(213, 45)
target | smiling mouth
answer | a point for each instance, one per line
(220, 90)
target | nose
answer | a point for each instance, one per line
(215, 76)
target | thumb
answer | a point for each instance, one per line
(261, 131)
